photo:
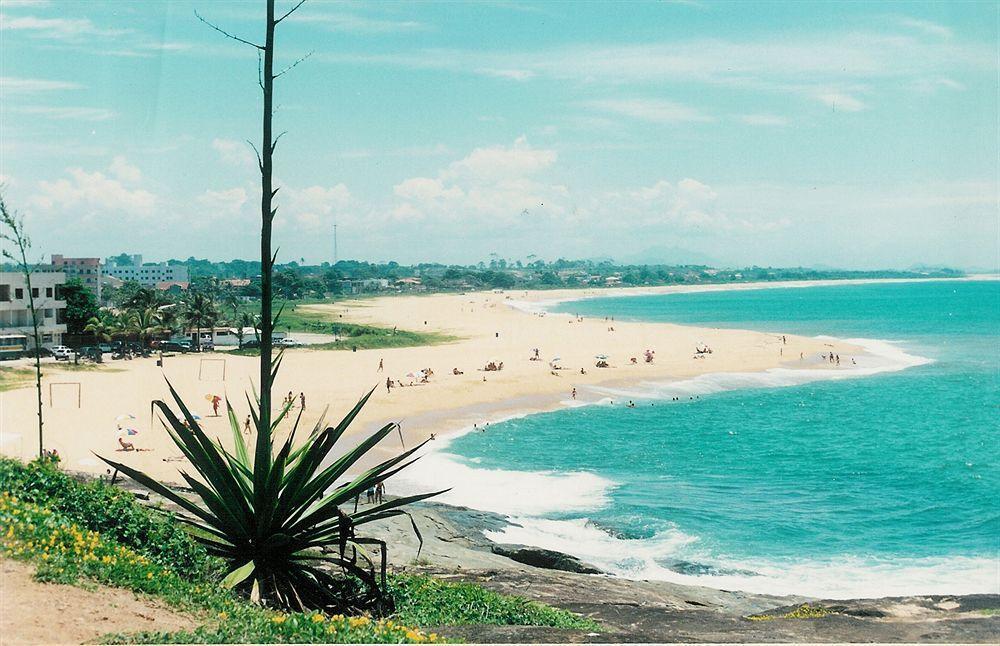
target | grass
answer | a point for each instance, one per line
(352, 335)
(90, 532)
(14, 378)
(805, 611)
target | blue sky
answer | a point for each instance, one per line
(841, 134)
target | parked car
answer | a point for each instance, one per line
(174, 346)
(41, 352)
(105, 347)
(287, 342)
(250, 344)
(62, 353)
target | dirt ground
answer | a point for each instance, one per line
(46, 613)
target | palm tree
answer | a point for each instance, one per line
(146, 323)
(104, 326)
(242, 322)
(199, 312)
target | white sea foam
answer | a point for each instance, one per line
(505, 491)
(839, 578)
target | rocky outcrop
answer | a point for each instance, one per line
(547, 559)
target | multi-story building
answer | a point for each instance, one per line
(16, 332)
(148, 274)
(88, 270)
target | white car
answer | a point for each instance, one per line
(288, 343)
(61, 352)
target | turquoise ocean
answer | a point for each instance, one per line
(883, 480)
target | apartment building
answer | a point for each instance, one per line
(88, 270)
(16, 334)
(148, 274)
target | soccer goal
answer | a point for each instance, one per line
(65, 390)
(212, 369)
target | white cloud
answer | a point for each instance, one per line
(841, 102)
(931, 85)
(66, 113)
(928, 27)
(124, 171)
(225, 202)
(56, 28)
(236, 153)
(14, 85)
(653, 110)
(316, 207)
(347, 22)
(493, 184)
(514, 75)
(763, 120)
(88, 193)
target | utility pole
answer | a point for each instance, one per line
(335, 243)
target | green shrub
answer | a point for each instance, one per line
(425, 601)
(111, 511)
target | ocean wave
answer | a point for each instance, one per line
(506, 491)
(674, 556)
(878, 357)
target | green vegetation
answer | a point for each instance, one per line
(269, 513)
(14, 378)
(83, 532)
(805, 611)
(425, 601)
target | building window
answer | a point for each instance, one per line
(48, 292)
(34, 292)
(5, 293)
(18, 293)
(47, 338)
(49, 313)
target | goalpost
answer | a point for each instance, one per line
(79, 394)
(201, 368)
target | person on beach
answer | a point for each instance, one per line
(574, 393)
(126, 446)
(388, 385)
(370, 495)
(380, 366)
(215, 405)
(302, 400)
(380, 493)
(246, 426)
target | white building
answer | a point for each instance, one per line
(148, 274)
(16, 333)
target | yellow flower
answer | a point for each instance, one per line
(358, 621)
(149, 575)
(318, 618)
(280, 619)
(223, 615)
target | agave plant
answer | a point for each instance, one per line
(281, 518)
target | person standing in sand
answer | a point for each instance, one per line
(388, 385)
(380, 365)
(574, 393)
(246, 426)
(302, 400)
(216, 400)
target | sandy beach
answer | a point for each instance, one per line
(489, 326)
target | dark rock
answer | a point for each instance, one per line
(547, 559)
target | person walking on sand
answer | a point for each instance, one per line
(380, 365)
(574, 393)
(380, 493)
(246, 426)
(215, 405)
(302, 400)
(388, 385)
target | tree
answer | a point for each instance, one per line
(199, 312)
(267, 513)
(104, 325)
(13, 232)
(146, 323)
(81, 305)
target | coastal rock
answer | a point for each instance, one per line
(547, 559)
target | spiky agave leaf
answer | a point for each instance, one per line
(271, 514)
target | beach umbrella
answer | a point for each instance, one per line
(209, 397)
(417, 374)
(602, 357)
(126, 416)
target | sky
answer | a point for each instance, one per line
(852, 135)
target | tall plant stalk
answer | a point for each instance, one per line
(14, 232)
